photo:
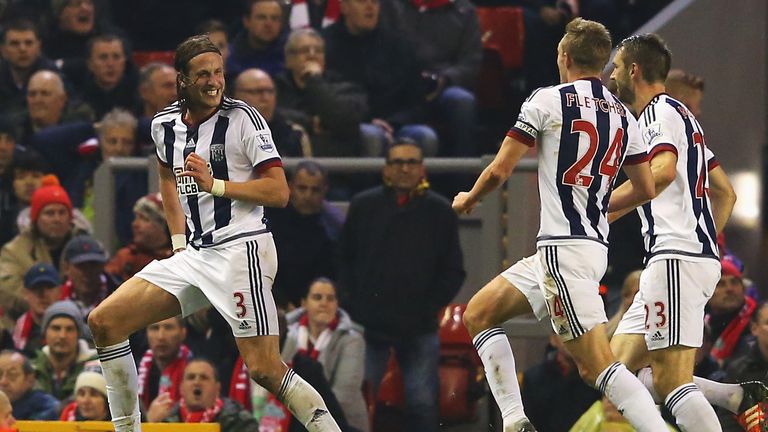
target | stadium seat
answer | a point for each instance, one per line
(142, 58)
(503, 31)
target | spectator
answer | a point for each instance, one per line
(687, 88)
(7, 201)
(544, 22)
(6, 414)
(256, 88)
(110, 80)
(87, 283)
(382, 62)
(72, 24)
(556, 382)
(445, 36)
(90, 402)
(209, 336)
(260, 43)
(48, 104)
(217, 33)
(306, 234)
(51, 213)
(157, 88)
(17, 381)
(729, 311)
(162, 367)
(200, 402)
(329, 108)
(402, 263)
(151, 239)
(750, 366)
(42, 288)
(323, 332)
(629, 288)
(22, 57)
(26, 176)
(58, 363)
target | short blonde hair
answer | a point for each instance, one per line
(588, 44)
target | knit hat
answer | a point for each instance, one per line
(151, 206)
(50, 192)
(730, 269)
(91, 379)
(64, 308)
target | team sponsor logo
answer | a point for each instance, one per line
(266, 143)
(525, 127)
(652, 132)
(244, 325)
(657, 336)
(191, 143)
(217, 152)
(185, 185)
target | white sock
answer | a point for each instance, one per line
(306, 404)
(691, 410)
(645, 375)
(629, 396)
(726, 396)
(493, 347)
(122, 386)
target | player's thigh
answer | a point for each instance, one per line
(672, 367)
(630, 349)
(675, 293)
(514, 292)
(134, 305)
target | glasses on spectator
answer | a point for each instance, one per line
(317, 49)
(404, 162)
(258, 91)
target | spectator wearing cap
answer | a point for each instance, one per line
(151, 239)
(729, 311)
(58, 363)
(51, 214)
(90, 399)
(87, 284)
(18, 382)
(42, 288)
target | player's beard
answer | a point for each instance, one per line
(624, 92)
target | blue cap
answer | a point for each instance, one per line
(41, 274)
(84, 248)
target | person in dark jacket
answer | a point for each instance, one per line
(261, 41)
(328, 108)
(18, 383)
(200, 402)
(401, 263)
(382, 62)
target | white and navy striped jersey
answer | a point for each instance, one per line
(238, 146)
(584, 134)
(678, 221)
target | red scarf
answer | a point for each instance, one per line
(240, 384)
(300, 13)
(22, 330)
(425, 5)
(170, 377)
(306, 347)
(69, 413)
(729, 338)
(204, 416)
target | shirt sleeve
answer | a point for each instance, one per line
(259, 146)
(661, 134)
(637, 151)
(531, 120)
(712, 161)
(157, 130)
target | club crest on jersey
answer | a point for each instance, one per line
(217, 152)
(266, 143)
(185, 185)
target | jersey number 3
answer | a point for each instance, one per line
(609, 166)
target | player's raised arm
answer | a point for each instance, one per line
(174, 215)
(496, 173)
(722, 195)
(269, 189)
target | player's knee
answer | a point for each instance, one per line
(474, 320)
(98, 322)
(265, 377)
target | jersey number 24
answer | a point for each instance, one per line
(609, 165)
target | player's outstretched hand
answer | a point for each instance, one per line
(461, 203)
(198, 168)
